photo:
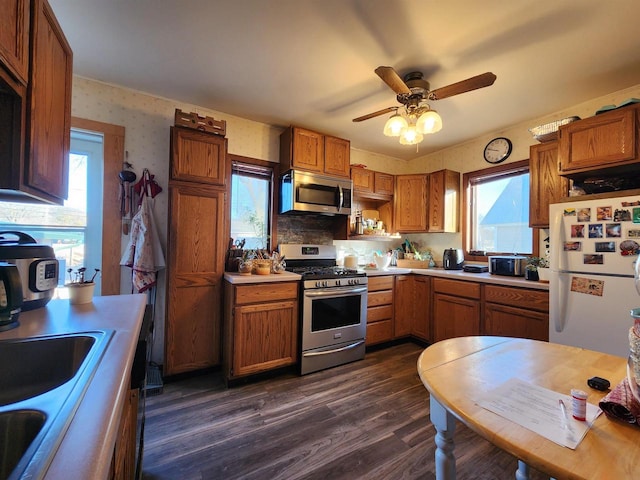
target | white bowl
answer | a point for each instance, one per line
(382, 262)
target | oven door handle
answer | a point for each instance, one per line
(334, 292)
(335, 350)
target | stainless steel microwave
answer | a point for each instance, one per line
(304, 192)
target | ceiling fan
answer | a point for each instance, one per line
(414, 93)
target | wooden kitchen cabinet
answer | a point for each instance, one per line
(456, 309)
(36, 123)
(427, 202)
(314, 152)
(261, 327)
(369, 182)
(198, 157)
(443, 201)
(380, 296)
(546, 186)
(516, 312)
(14, 38)
(605, 143)
(421, 302)
(403, 305)
(123, 465)
(198, 234)
(410, 203)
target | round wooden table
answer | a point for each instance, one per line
(459, 371)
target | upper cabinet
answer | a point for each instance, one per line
(427, 202)
(605, 143)
(546, 186)
(198, 157)
(372, 184)
(38, 123)
(314, 152)
(14, 38)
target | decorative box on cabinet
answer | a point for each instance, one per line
(314, 152)
(261, 327)
(379, 309)
(456, 309)
(602, 144)
(546, 186)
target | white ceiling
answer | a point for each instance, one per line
(311, 62)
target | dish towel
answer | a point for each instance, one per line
(144, 251)
(620, 404)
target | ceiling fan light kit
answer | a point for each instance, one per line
(418, 119)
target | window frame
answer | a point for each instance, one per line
(490, 173)
(275, 174)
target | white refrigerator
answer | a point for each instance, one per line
(593, 249)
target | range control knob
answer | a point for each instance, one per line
(337, 283)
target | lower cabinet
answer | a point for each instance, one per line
(123, 462)
(516, 312)
(421, 302)
(379, 309)
(260, 327)
(456, 309)
(403, 312)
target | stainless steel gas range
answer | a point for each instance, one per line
(333, 316)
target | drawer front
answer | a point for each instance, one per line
(456, 288)
(517, 297)
(266, 292)
(375, 314)
(384, 297)
(384, 282)
(379, 332)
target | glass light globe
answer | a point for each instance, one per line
(395, 125)
(411, 136)
(429, 122)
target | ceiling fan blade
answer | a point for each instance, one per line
(473, 83)
(391, 78)
(375, 114)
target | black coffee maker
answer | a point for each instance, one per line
(452, 259)
(10, 296)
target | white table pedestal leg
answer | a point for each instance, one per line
(522, 473)
(445, 424)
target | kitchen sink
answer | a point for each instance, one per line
(43, 381)
(34, 366)
(19, 428)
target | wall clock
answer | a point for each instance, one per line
(497, 150)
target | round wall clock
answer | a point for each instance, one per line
(497, 150)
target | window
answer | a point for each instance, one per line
(497, 210)
(74, 230)
(252, 187)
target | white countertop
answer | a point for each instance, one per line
(236, 278)
(87, 447)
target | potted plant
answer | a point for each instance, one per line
(532, 270)
(80, 289)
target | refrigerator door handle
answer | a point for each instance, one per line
(556, 244)
(559, 310)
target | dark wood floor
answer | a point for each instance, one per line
(368, 419)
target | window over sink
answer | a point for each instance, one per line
(497, 210)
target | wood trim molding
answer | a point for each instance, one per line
(111, 221)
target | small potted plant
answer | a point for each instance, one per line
(80, 289)
(534, 264)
